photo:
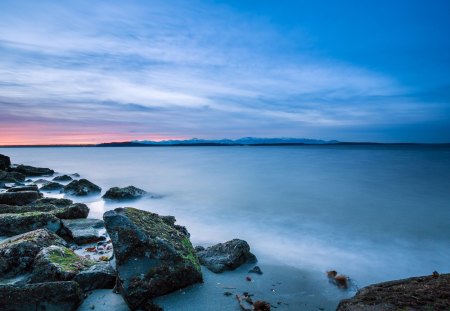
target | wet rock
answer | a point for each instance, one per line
(73, 211)
(153, 258)
(51, 186)
(19, 198)
(63, 178)
(5, 162)
(18, 252)
(11, 177)
(100, 275)
(226, 256)
(13, 224)
(49, 296)
(33, 171)
(41, 181)
(23, 188)
(126, 193)
(52, 201)
(83, 231)
(81, 187)
(417, 293)
(256, 269)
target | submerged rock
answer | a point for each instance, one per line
(63, 178)
(18, 252)
(19, 198)
(49, 296)
(5, 162)
(126, 193)
(51, 186)
(41, 181)
(33, 171)
(83, 231)
(23, 188)
(13, 224)
(226, 256)
(81, 187)
(418, 293)
(153, 257)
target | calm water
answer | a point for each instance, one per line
(374, 213)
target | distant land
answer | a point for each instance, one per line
(246, 141)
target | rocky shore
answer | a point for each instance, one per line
(52, 256)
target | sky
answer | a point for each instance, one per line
(75, 72)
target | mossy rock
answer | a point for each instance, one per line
(13, 224)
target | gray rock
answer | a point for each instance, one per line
(63, 178)
(33, 171)
(83, 231)
(81, 187)
(126, 193)
(52, 201)
(19, 198)
(23, 188)
(18, 252)
(226, 256)
(51, 186)
(100, 275)
(49, 296)
(418, 293)
(153, 257)
(41, 181)
(13, 224)
(5, 162)
(11, 177)
(74, 211)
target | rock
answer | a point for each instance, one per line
(58, 263)
(33, 171)
(49, 296)
(52, 201)
(417, 293)
(226, 256)
(153, 257)
(100, 275)
(5, 162)
(19, 198)
(76, 175)
(81, 187)
(18, 252)
(63, 178)
(11, 177)
(51, 186)
(83, 231)
(126, 193)
(41, 181)
(73, 211)
(23, 188)
(13, 224)
(256, 269)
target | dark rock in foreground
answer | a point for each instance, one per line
(63, 178)
(153, 257)
(226, 256)
(74, 211)
(33, 171)
(11, 177)
(83, 231)
(126, 193)
(100, 275)
(13, 224)
(51, 186)
(82, 187)
(23, 188)
(418, 293)
(50, 296)
(19, 198)
(18, 252)
(5, 162)
(52, 201)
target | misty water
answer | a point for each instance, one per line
(374, 213)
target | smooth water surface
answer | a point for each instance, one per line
(375, 213)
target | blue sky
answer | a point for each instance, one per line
(92, 71)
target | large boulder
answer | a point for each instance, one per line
(11, 177)
(74, 211)
(153, 256)
(82, 187)
(49, 296)
(126, 193)
(83, 231)
(419, 293)
(226, 256)
(19, 198)
(13, 224)
(51, 186)
(23, 188)
(33, 171)
(63, 178)
(18, 252)
(5, 162)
